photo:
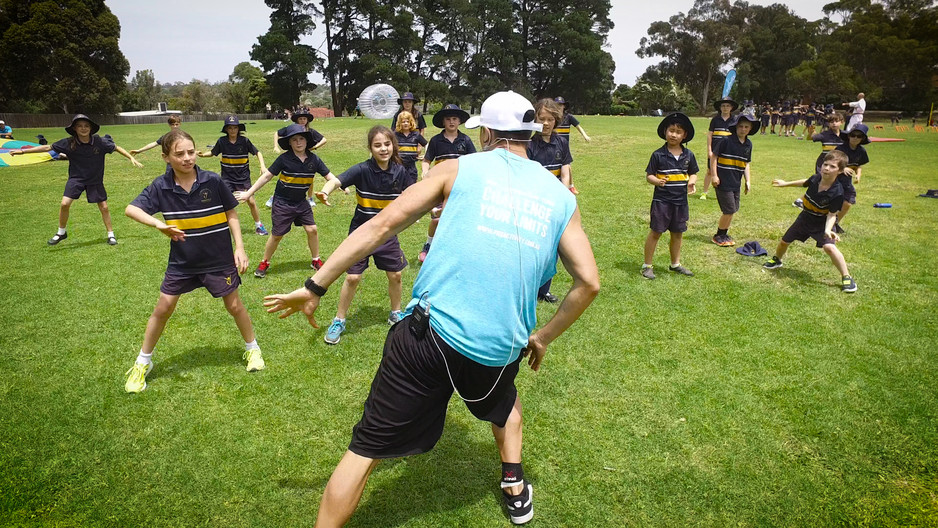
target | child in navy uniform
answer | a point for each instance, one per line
(173, 122)
(829, 139)
(200, 220)
(856, 158)
(378, 182)
(297, 167)
(409, 104)
(410, 143)
(730, 166)
(448, 144)
(553, 152)
(673, 170)
(718, 131)
(85, 151)
(303, 118)
(823, 198)
(562, 129)
(235, 150)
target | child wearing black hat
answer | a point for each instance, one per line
(409, 104)
(297, 167)
(85, 151)
(448, 144)
(718, 131)
(856, 158)
(730, 165)
(235, 150)
(562, 129)
(303, 118)
(673, 170)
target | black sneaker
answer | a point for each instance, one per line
(520, 508)
(681, 270)
(111, 241)
(549, 298)
(648, 273)
(848, 285)
(57, 238)
(773, 263)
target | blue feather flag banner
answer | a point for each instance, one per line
(728, 84)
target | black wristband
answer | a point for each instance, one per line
(317, 290)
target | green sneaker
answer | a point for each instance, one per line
(848, 285)
(703, 196)
(773, 263)
(255, 359)
(137, 377)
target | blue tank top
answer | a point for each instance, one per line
(496, 243)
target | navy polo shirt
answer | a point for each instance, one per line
(721, 130)
(856, 157)
(552, 155)
(732, 157)
(235, 165)
(818, 204)
(407, 147)
(85, 160)
(317, 137)
(829, 141)
(441, 149)
(200, 213)
(563, 128)
(296, 176)
(663, 164)
(421, 122)
(375, 188)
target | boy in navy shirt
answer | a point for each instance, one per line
(730, 166)
(448, 144)
(829, 139)
(673, 170)
(200, 220)
(718, 131)
(297, 167)
(174, 122)
(856, 158)
(823, 198)
(235, 150)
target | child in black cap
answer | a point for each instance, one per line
(730, 166)
(718, 131)
(673, 170)
(85, 151)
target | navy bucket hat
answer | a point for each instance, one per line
(303, 113)
(748, 117)
(408, 96)
(680, 119)
(232, 120)
(71, 128)
(449, 110)
(294, 130)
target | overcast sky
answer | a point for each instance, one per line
(181, 40)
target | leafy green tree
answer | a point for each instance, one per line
(143, 92)
(60, 56)
(246, 89)
(287, 63)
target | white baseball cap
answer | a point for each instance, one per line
(507, 112)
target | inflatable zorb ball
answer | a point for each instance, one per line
(379, 101)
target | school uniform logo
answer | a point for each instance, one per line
(228, 280)
(557, 156)
(205, 195)
(461, 149)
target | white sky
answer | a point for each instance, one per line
(181, 40)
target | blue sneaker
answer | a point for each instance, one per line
(395, 317)
(260, 230)
(334, 333)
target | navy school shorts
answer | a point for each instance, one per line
(284, 215)
(388, 257)
(218, 283)
(406, 408)
(728, 200)
(94, 192)
(805, 228)
(669, 217)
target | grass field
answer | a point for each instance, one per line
(738, 397)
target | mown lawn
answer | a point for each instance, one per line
(737, 397)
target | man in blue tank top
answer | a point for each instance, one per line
(463, 332)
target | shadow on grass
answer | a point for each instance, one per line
(293, 265)
(365, 317)
(194, 359)
(460, 471)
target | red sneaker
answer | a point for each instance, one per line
(316, 263)
(261, 270)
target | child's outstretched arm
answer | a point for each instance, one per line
(323, 194)
(120, 150)
(242, 196)
(144, 148)
(205, 154)
(41, 148)
(234, 225)
(583, 133)
(829, 226)
(794, 183)
(141, 216)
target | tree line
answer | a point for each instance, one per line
(887, 49)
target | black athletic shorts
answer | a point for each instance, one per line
(406, 408)
(94, 192)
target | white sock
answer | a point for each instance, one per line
(61, 231)
(144, 359)
(110, 234)
(339, 319)
(259, 224)
(251, 346)
(673, 265)
(646, 266)
(429, 240)
(316, 257)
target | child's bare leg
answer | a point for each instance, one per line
(105, 215)
(395, 287)
(675, 247)
(724, 222)
(349, 287)
(843, 211)
(312, 239)
(837, 258)
(431, 229)
(781, 249)
(252, 204)
(241, 316)
(271, 246)
(63, 211)
(651, 242)
(707, 179)
(165, 306)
